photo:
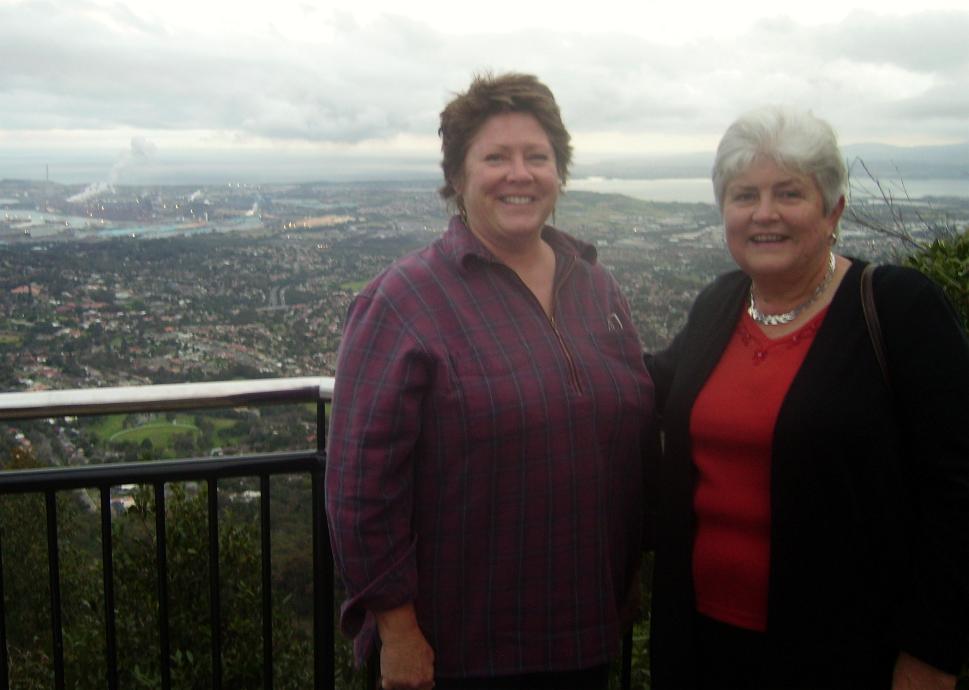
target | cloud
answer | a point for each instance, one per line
(930, 43)
(858, 78)
(90, 66)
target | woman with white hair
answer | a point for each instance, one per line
(811, 522)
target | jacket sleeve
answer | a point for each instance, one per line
(374, 425)
(662, 368)
(929, 368)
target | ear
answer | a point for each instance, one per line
(835, 214)
(457, 182)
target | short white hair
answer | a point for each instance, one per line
(794, 139)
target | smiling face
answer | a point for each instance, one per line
(509, 182)
(775, 224)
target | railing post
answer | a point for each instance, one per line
(54, 569)
(265, 527)
(215, 599)
(4, 661)
(324, 665)
(107, 568)
(626, 670)
(161, 557)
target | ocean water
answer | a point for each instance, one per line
(700, 190)
(685, 190)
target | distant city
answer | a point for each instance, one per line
(211, 276)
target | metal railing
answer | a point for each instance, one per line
(168, 398)
(195, 396)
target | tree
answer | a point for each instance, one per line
(27, 600)
(23, 521)
(184, 444)
(187, 538)
(946, 260)
(925, 240)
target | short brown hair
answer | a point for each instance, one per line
(489, 95)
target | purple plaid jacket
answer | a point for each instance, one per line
(485, 461)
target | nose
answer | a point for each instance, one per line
(764, 210)
(518, 170)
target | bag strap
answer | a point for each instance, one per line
(871, 320)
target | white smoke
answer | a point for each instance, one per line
(140, 150)
(92, 190)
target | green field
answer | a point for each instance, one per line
(158, 429)
(160, 433)
(207, 430)
(10, 339)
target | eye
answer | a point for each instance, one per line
(790, 194)
(494, 157)
(742, 195)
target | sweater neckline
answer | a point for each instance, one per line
(762, 345)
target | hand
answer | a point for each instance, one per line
(914, 674)
(406, 659)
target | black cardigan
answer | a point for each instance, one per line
(869, 489)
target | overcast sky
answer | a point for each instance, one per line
(301, 78)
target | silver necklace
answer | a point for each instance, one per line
(788, 316)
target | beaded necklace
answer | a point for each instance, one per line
(788, 316)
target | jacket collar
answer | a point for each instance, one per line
(466, 249)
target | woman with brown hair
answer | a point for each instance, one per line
(484, 466)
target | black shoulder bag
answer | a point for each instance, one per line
(871, 320)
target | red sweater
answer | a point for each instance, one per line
(732, 429)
